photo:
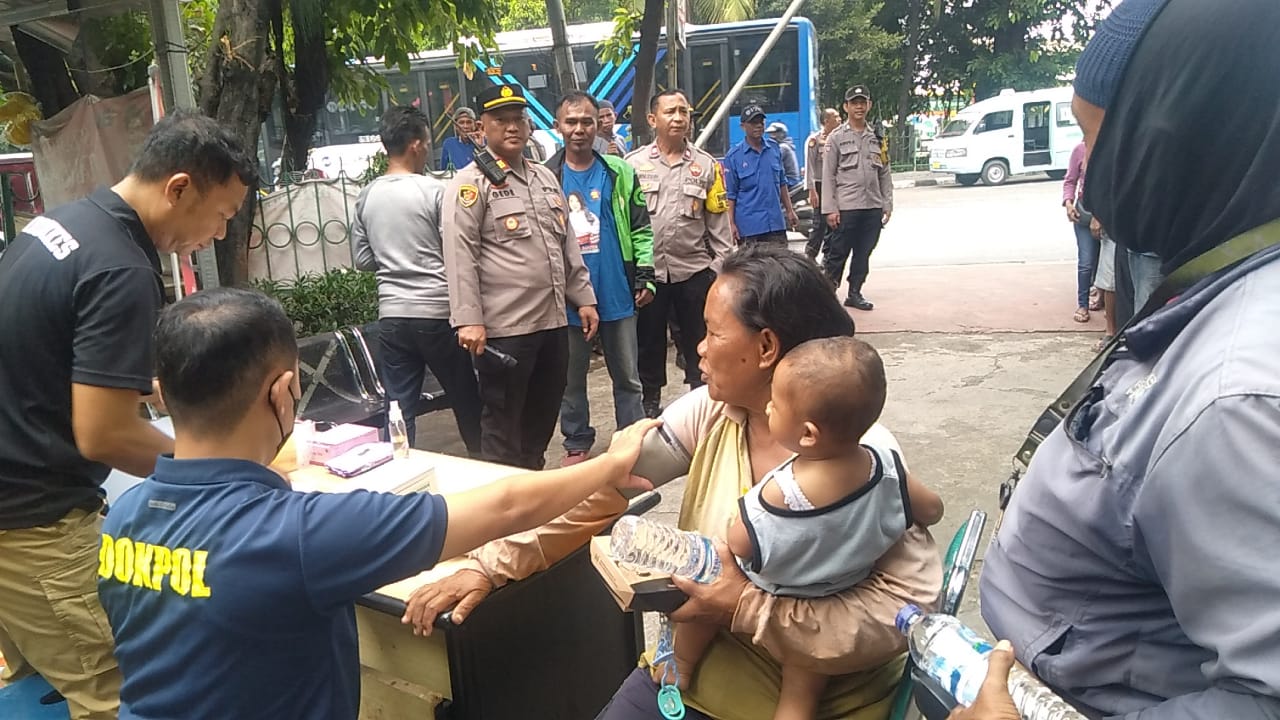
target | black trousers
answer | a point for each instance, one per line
(778, 237)
(522, 403)
(684, 300)
(852, 242)
(412, 345)
(818, 231)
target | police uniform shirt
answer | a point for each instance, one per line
(855, 175)
(687, 237)
(80, 290)
(512, 266)
(813, 161)
(231, 596)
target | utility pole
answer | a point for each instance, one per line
(560, 50)
(675, 41)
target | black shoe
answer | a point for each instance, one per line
(857, 302)
(651, 402)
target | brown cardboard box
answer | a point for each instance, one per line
(632, 589)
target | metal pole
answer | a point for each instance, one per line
(175, 83)
(560, 50)
(673, 44)
(752, 66)
(10, 222)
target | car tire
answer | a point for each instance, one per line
(968, 180)
(995, 172)
(1056, 174)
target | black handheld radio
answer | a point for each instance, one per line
(490, 166)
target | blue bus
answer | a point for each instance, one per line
(785, 84)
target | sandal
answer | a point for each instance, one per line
(1095, 299)
(1082, 315)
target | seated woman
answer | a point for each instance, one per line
(766, 301)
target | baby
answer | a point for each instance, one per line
(817, 523)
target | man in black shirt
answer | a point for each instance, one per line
(80, 290)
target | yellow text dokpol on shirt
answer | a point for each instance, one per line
(149, 566)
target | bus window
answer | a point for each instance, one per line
(444, 96)
(404, 90)
(773, 86)
(536, 71)
(344, 124)
(707, 89)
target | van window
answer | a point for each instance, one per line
(955, 128)
(1066, 118)
(1002, 120)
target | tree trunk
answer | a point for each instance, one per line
(910, 51)
(646, 56)
(230, 93)
(1008, 41)
(304, 95)
(51, 84)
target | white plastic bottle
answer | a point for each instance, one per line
(396, 431)
(647, 544)
(956, 657)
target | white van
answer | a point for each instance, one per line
(1014, 133)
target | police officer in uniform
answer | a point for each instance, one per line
(813, 180)
(512, 270)
(857, 195)
(691, 235)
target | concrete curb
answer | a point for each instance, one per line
(921, 182)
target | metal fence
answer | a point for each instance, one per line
(908, 151)
(304, 227)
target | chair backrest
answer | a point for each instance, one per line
(368, 368)
(332, 389)
(433, 395)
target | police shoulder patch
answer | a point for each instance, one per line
(467, 195)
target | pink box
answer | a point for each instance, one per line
(338, 439)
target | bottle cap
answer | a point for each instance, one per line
(394, 412)
(905, 616)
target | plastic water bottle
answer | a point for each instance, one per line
(396, 431)
(956, 657)
(654, 546)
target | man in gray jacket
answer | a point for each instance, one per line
(397, 234)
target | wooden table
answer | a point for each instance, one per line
(554, 646)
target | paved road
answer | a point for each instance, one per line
(953, 225)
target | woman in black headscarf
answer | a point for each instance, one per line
(1135, 570)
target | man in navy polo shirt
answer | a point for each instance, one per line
(79, 293)
(756, 185)
(229, 594)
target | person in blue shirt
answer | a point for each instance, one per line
(459, 151)
(610, 219)
(756, 185)
(230, 595)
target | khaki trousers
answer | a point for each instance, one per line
(51, 616)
